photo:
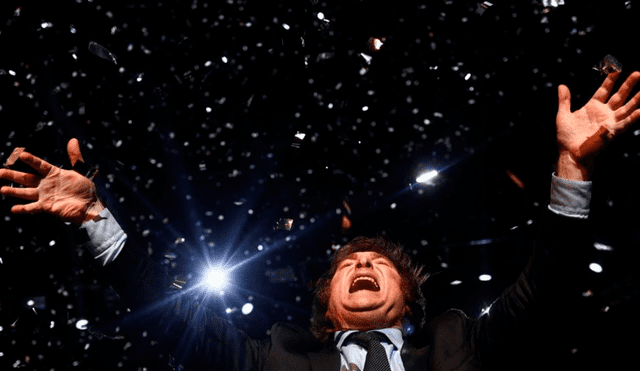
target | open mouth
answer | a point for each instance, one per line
(364, 283)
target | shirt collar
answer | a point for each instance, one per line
(394, 335)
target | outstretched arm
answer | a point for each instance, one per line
(190, 331)
(546, 290)
(583, 134)
(65, 194)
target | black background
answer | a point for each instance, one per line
(190, 109)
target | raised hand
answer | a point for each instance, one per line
(582, 134)
(63, 193)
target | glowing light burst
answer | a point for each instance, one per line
(216, 278)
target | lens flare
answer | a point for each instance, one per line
(216, 279)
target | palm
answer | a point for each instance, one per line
(63, 193)
(66, 194)
(585, 132)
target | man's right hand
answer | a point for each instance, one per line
(65, 194)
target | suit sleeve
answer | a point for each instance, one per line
(546, 290)
(177, 319)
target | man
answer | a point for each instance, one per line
(371, 285)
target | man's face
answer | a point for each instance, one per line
(366, 293)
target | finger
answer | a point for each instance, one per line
(25, 179)
(40, 165)
(14, 156)
(30, 194)
(602, 94)
(564, 99)
(623, 125)
(31, 208)
(628, 108)
(73, 149)
(623, 93)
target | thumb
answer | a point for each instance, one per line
(73, 149)
(564, 99)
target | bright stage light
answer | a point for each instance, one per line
(427, 177)
(216, 279)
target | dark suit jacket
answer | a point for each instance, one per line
(451, 341)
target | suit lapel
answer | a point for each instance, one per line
(328, 359)
(413, 358)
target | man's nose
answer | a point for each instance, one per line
(364, 262)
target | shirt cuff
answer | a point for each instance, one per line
(570, 197)
(106, 237)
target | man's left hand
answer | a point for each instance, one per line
(582, 134)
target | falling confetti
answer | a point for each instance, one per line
(284, 224)
(374, 44)
(324, 56)
(482, 7)
(297, 139)
(608, 64)
(553, 3)
(178, 283)
(102, 52)
(519, 183)
(173, 105)
(346, 223)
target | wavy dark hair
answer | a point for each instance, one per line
(412, 280)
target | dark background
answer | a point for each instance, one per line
(190, 109)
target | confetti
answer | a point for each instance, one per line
(178, 283)
(482, 7)
(374, 44)
(519, 183)
(191, 87)
(553, 3)
(102, 52)
(284, 224)
(346, 223)
(609, 64)
(346, 206)
(366, 59)
(297, 139)
(324, 56)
